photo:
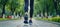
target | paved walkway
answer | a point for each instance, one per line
(19, 23)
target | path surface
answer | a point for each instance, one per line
(19, 23)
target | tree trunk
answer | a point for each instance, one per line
(55, 5)
(3, 11)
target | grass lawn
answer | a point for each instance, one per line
(2, 19)
(54, 19)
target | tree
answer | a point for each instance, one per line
(3, 3)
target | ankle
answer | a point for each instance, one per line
(30, 18)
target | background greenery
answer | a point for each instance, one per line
(43, 8)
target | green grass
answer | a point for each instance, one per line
(54, 19)
(2, 19)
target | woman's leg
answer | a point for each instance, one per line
(26, 11)
(26, 5)
(31, 9)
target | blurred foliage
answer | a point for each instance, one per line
(16, 5)
(51, 7)
(54, 19)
